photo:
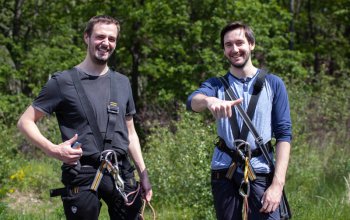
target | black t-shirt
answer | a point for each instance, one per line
(60, 96)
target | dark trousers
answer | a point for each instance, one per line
(86, 204)
(228, 202)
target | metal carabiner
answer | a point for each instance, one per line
(244, 189)
(243, 148)
(123, 194)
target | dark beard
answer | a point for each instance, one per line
(239, 66)
(100, 61)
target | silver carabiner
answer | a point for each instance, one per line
(244, 191)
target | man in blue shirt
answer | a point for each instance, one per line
(271, 119)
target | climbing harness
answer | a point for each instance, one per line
(109, 163)
(284, 208)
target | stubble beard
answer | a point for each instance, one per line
(99, 60)
(241, 65)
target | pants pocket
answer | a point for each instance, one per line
(83, 205)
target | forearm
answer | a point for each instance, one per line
(63, 152)
(200, 102)
(282, 160)
(272, 196)
(136, 154)
(27, 126)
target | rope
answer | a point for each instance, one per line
(144, 202)
(127, 203)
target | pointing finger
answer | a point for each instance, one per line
(236, 102)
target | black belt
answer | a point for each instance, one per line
(233, 153)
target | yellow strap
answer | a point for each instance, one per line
(98, 176)
(246, 168)
(251, 174)
(231, 170)
(245, 199)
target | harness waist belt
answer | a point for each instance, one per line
(232, 153)
(221, 174)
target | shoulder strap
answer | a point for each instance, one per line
(247, 121)
(233, 119)
(88, 110)
(113, 111)
(259, 83)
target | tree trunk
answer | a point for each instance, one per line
(313, 38)
(291, 26)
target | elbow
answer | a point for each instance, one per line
(20, 125)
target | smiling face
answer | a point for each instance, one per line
(102, 42)
(237, 49)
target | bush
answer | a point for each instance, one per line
(178, 161)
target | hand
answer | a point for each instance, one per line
(146, 186)
(221, 108)
(65, 153)
(271, 198)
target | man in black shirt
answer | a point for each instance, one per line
(100, 85)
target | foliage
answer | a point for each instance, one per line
(319, 160)
(179, 166)
(167, 48)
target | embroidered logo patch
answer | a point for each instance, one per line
(74, 209)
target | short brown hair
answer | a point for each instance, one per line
(249, 34)
(100, 19)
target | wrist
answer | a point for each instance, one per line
(278, 180)
(209, 100)
(143, 173)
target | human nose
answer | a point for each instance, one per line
(105, 41)
(235, 48)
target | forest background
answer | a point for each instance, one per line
(166, 49)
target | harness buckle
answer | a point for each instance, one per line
(113, 108)
(260, 141)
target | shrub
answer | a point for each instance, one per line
(178, 161)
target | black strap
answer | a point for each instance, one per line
(113, 111)
(88, 110)
(247, 120)
(259, 83)
(233, 119)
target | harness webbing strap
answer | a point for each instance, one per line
(98, 177)
(113, 111)
(258, 85)
(247, 121)
(243, 134)
(88, 110)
